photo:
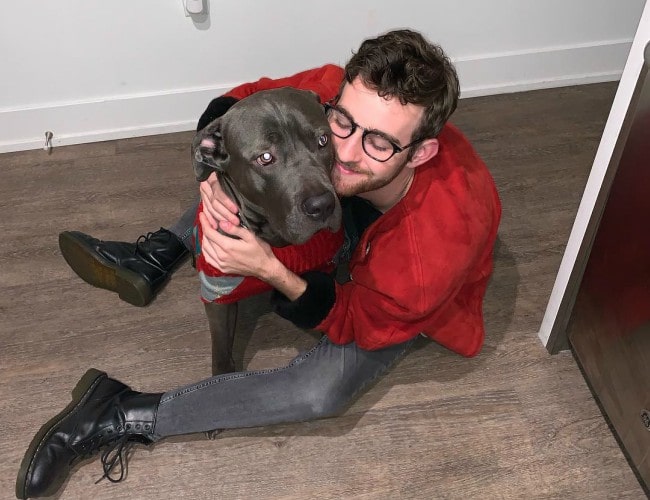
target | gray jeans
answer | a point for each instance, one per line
(185, 224)
(318, 383)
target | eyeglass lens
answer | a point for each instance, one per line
(375, 145)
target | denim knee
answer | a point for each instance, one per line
(328, 400)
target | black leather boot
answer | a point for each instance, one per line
(136, 271)
(104, 413)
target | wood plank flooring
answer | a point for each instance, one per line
(514, 422)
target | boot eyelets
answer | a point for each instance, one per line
(137, 426)
(147, 427)
(128, 426)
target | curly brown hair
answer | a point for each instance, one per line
(405, 65)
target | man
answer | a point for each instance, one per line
(421, 216)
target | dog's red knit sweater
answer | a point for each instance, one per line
(317, 254)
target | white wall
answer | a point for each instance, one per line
(562, 293)
(90, 70)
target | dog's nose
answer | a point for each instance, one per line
(319, 207)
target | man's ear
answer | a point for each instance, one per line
(426, 150)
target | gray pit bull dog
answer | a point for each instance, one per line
(273, 156)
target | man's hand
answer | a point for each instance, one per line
(216, 205)
(247, 256)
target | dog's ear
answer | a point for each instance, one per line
(208, 151)
(316, 96)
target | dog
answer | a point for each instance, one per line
(273, 156)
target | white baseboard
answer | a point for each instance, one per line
(116, 117)
(550, 67)
(104, 119)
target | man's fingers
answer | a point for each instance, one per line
(216, 235)
(205, 223)
(219, 195)
(234, 229)
(210, 254)
(209, 242)
(230, 205)
(215, 196)
(215, 208)
(209, 220)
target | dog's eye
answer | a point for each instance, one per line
(265, 159)
(323, 140)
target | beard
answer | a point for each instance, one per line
(361, 181)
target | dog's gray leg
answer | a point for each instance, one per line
(222, 319)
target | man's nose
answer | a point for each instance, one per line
(350, 149)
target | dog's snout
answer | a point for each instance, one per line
(319, 207)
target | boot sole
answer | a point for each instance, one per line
(97, 271)
(80, 394)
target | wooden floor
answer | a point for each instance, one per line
(514, 422)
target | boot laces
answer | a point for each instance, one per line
(116, 456)
(140, 249)
(145, 238)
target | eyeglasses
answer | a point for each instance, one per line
(375, 144)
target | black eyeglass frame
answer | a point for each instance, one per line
(354, 126)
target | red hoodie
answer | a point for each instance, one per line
(423, 266)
